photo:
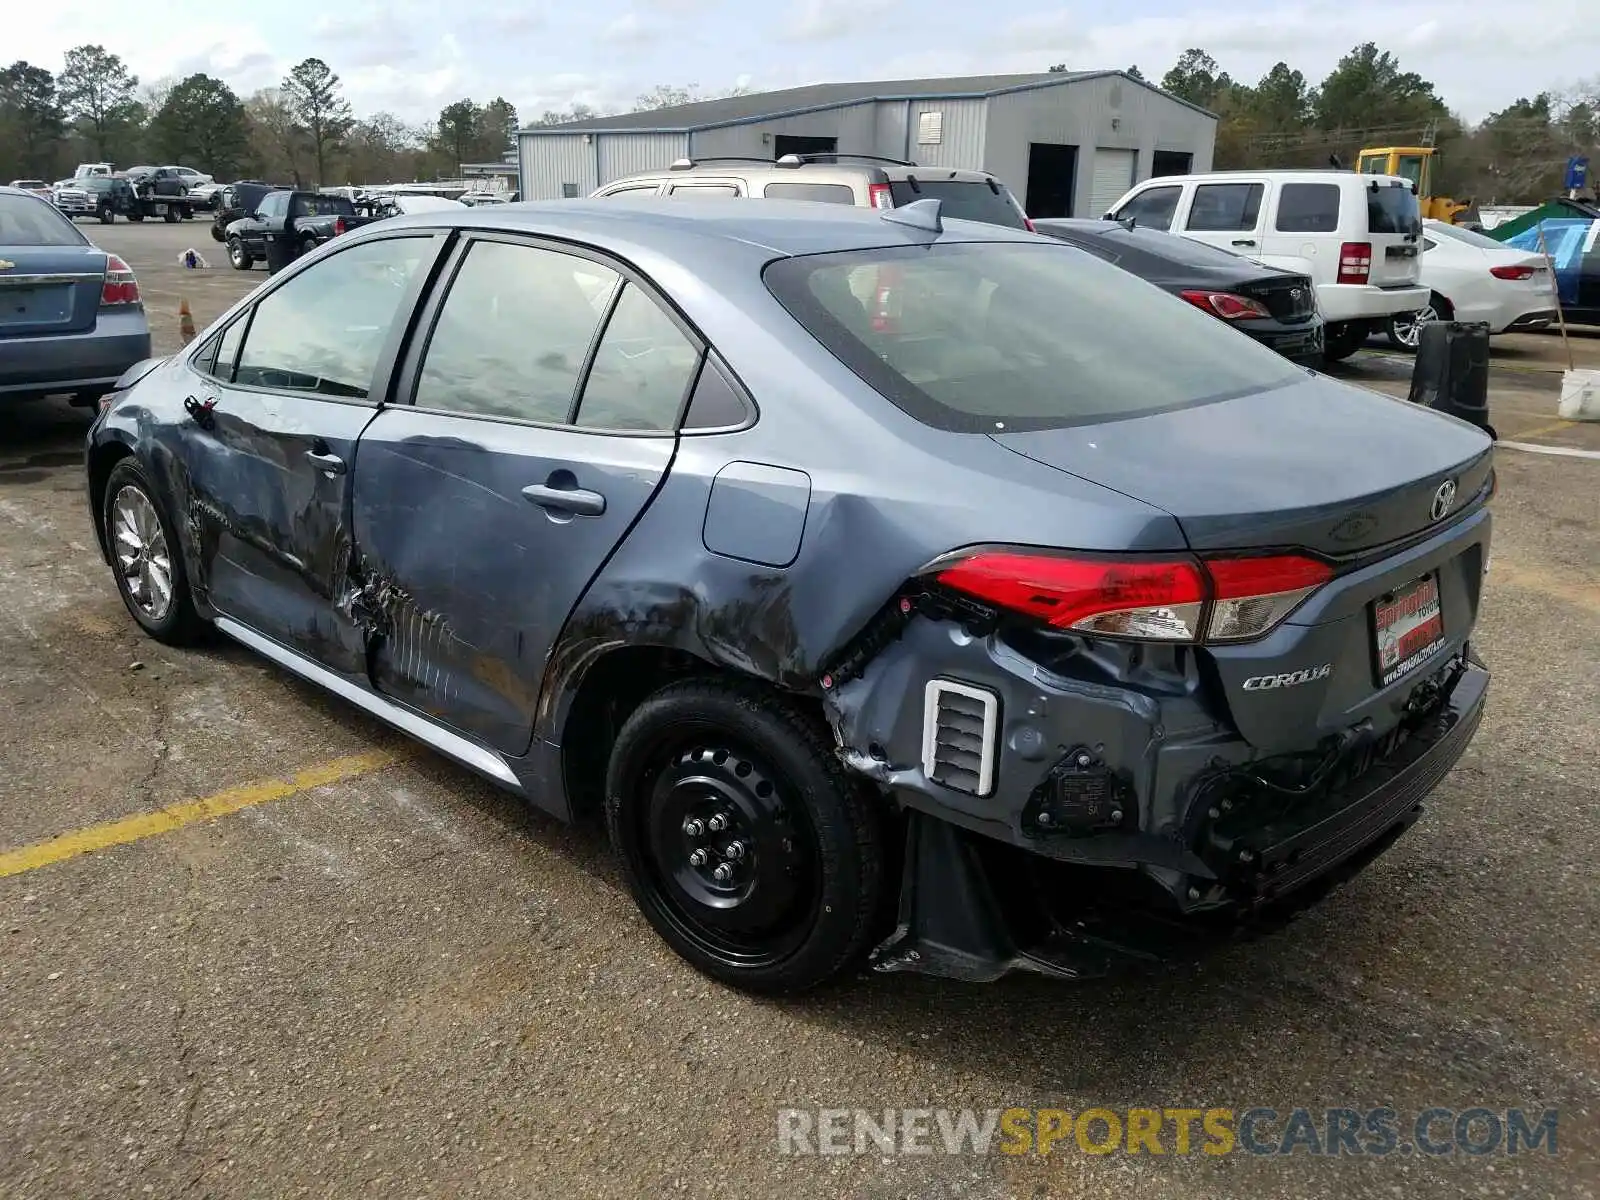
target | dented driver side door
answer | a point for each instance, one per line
(270, 440)
(546, 388)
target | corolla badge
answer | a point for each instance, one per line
(1266, 683)
(1443, 499)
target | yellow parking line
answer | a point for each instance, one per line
(1537, 430)
(176, 816)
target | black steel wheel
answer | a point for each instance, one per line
(743, 841)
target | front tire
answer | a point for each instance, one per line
(146, 558)
(744, 841)
(238, 257)
(1404, 330)
(107, 215)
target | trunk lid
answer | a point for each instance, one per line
(1290, 299)
(49, 289)
(1316, 464)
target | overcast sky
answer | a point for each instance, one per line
(414, 56)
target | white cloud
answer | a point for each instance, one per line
(630, 29)
(825, 20)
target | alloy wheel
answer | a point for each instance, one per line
(1408, 330)
(144, 560)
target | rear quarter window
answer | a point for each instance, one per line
(1308, 208)
(827, 193)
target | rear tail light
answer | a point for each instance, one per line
(1355, 262)
(119, 285)
(1226, 305)
(878, 195)
(1175, 599)
(1251, 595)
(338, 226)
(1511, 272)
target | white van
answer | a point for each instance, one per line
(1356, 236)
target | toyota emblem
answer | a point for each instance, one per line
(1443, 499)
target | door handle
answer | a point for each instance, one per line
(1244, 241)
(331, 463)
(575, 500)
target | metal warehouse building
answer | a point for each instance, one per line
(1068, 144)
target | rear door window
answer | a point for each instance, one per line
(641, 371)
(1152, 209)
(514, 332)
(700, 191)
(1225, 208)
(827, 193)
(960, 199)
(1308, 208)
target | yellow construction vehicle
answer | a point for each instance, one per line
(1416, 164)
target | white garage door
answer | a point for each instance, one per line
(1113, 175)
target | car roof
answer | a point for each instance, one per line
(805, 170)
(1292, 174)
(673, 228)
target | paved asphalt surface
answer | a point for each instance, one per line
(404, 984)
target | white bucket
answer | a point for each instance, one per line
(1580, 396)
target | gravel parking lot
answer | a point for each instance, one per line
(390, 979)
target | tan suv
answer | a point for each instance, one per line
(859, 179)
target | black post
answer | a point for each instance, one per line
(1451, 373)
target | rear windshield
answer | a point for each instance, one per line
(989, 336)
(1469, 237)
(26, 221)
(964, 201)
(1392, 209)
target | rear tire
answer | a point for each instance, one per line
(147, 559)
(238, 257)
(171, 216)
(1341, 341)
(1405, 331)
(218, 235)
(136, 218)
(704, 766)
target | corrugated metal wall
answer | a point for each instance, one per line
(961, 133)
(547, 160)
(889, 124)
(1106, 113)
(630, 153)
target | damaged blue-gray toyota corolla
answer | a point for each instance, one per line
(900, 590)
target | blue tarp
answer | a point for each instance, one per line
(1566, 239)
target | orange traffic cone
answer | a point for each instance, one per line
(185, 322)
